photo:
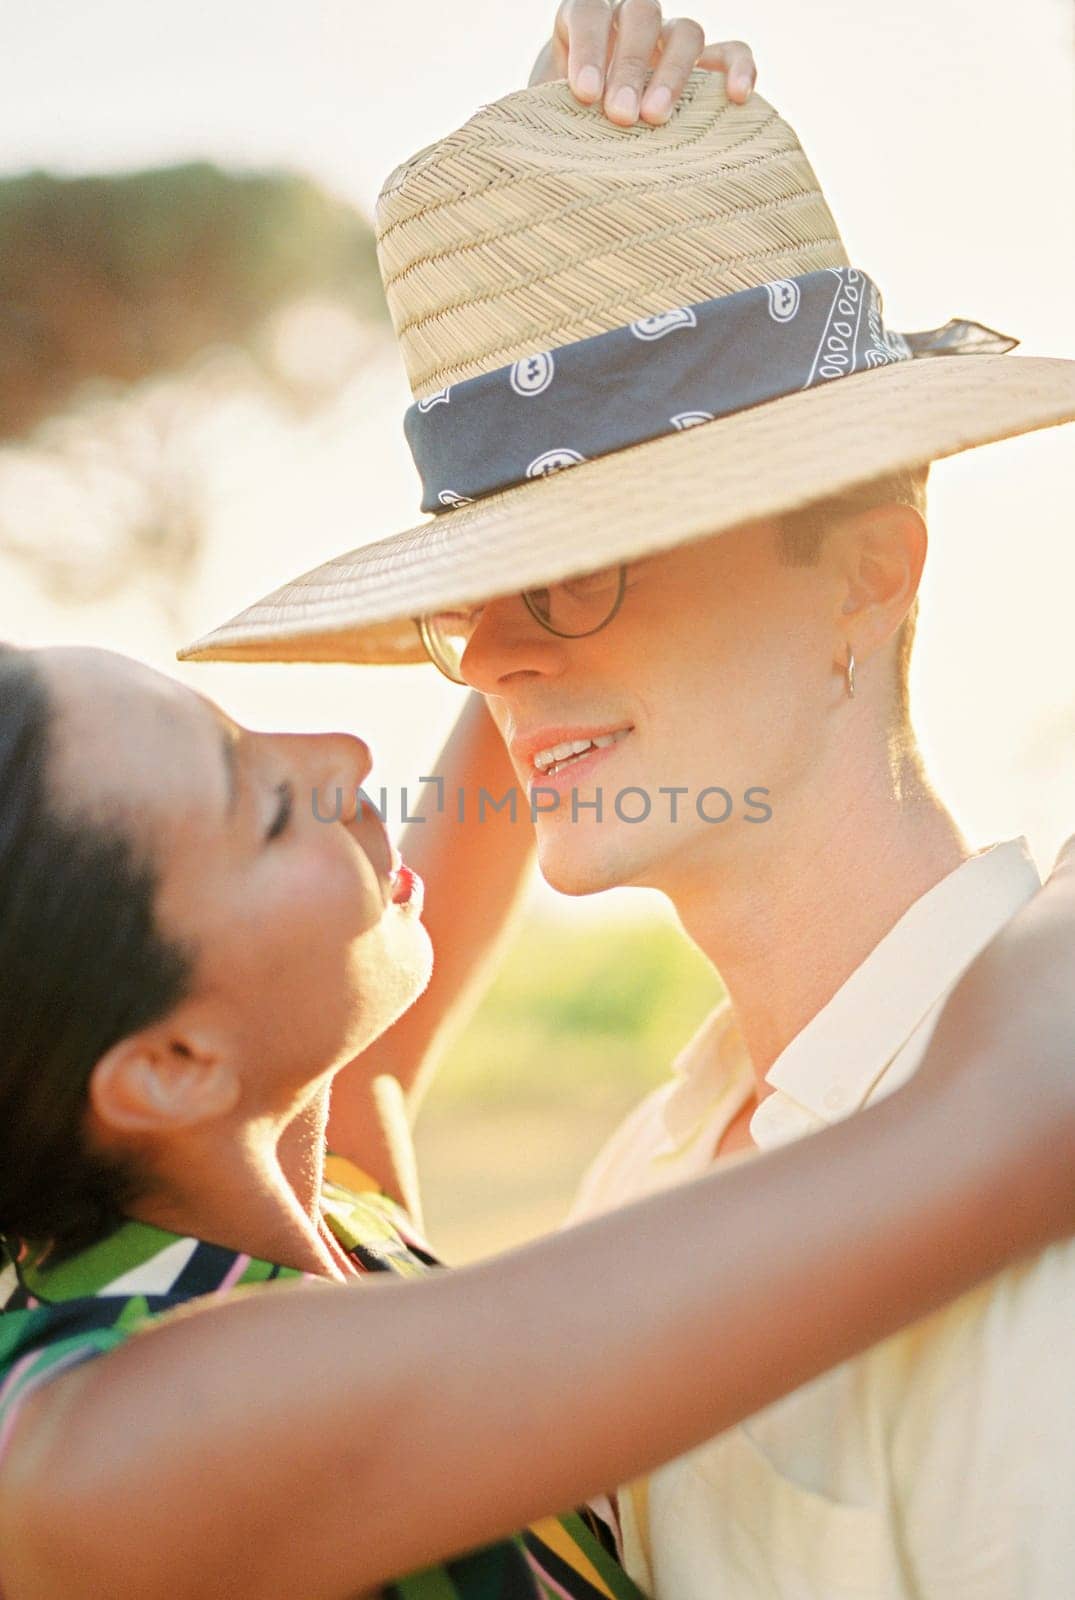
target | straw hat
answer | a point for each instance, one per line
(634, 265)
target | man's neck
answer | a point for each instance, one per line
(787, 923)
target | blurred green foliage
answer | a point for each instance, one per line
(126, 277)
(137, 310)
(574, 1012)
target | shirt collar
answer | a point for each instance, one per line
(833, 1063)
(712, 1065)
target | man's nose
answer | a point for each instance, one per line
(508, 642)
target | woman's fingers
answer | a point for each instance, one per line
(737, 60)
(608, 51)
(638, 37)
(682, 43)
(581, 32)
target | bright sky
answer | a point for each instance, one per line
(941, 130)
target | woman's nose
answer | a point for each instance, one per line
(338, 766)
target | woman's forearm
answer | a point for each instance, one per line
(492, 1395)
(485, 1397)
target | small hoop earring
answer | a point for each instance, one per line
(850, 673)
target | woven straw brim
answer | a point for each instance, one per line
(755, 464)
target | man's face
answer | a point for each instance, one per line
(716, 675)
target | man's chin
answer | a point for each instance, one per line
(575, 867)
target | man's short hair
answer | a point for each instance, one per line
(802, 532)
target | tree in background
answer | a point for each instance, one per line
(133, 309)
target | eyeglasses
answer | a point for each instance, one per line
(572, 609)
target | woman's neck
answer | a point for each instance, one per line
(254, 1189)
(300, 1150)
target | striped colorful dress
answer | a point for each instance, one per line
(52, 1318)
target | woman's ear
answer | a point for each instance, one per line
(155, 1084)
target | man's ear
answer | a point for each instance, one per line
(160, 1083)
(881, 553)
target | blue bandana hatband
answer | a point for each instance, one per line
(663, 373)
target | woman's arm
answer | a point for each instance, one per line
(357, 1434)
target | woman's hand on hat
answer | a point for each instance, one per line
(607, 51)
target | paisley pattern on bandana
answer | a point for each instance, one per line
(661, 374)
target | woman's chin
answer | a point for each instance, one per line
(390, 966)
(409, 955)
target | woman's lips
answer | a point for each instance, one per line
(400, 884)
(407, 888)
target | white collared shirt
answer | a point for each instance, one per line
(940, 1465)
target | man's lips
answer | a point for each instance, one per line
(553, 755)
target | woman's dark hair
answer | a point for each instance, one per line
(82, 966)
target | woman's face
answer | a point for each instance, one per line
(305, 946)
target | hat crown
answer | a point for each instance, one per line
(539, 223)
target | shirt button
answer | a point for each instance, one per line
(836, 1099)
(776, 1123)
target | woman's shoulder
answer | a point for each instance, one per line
(40, 1339)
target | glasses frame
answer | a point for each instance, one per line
(422, 623)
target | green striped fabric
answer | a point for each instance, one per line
(54, 1317)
